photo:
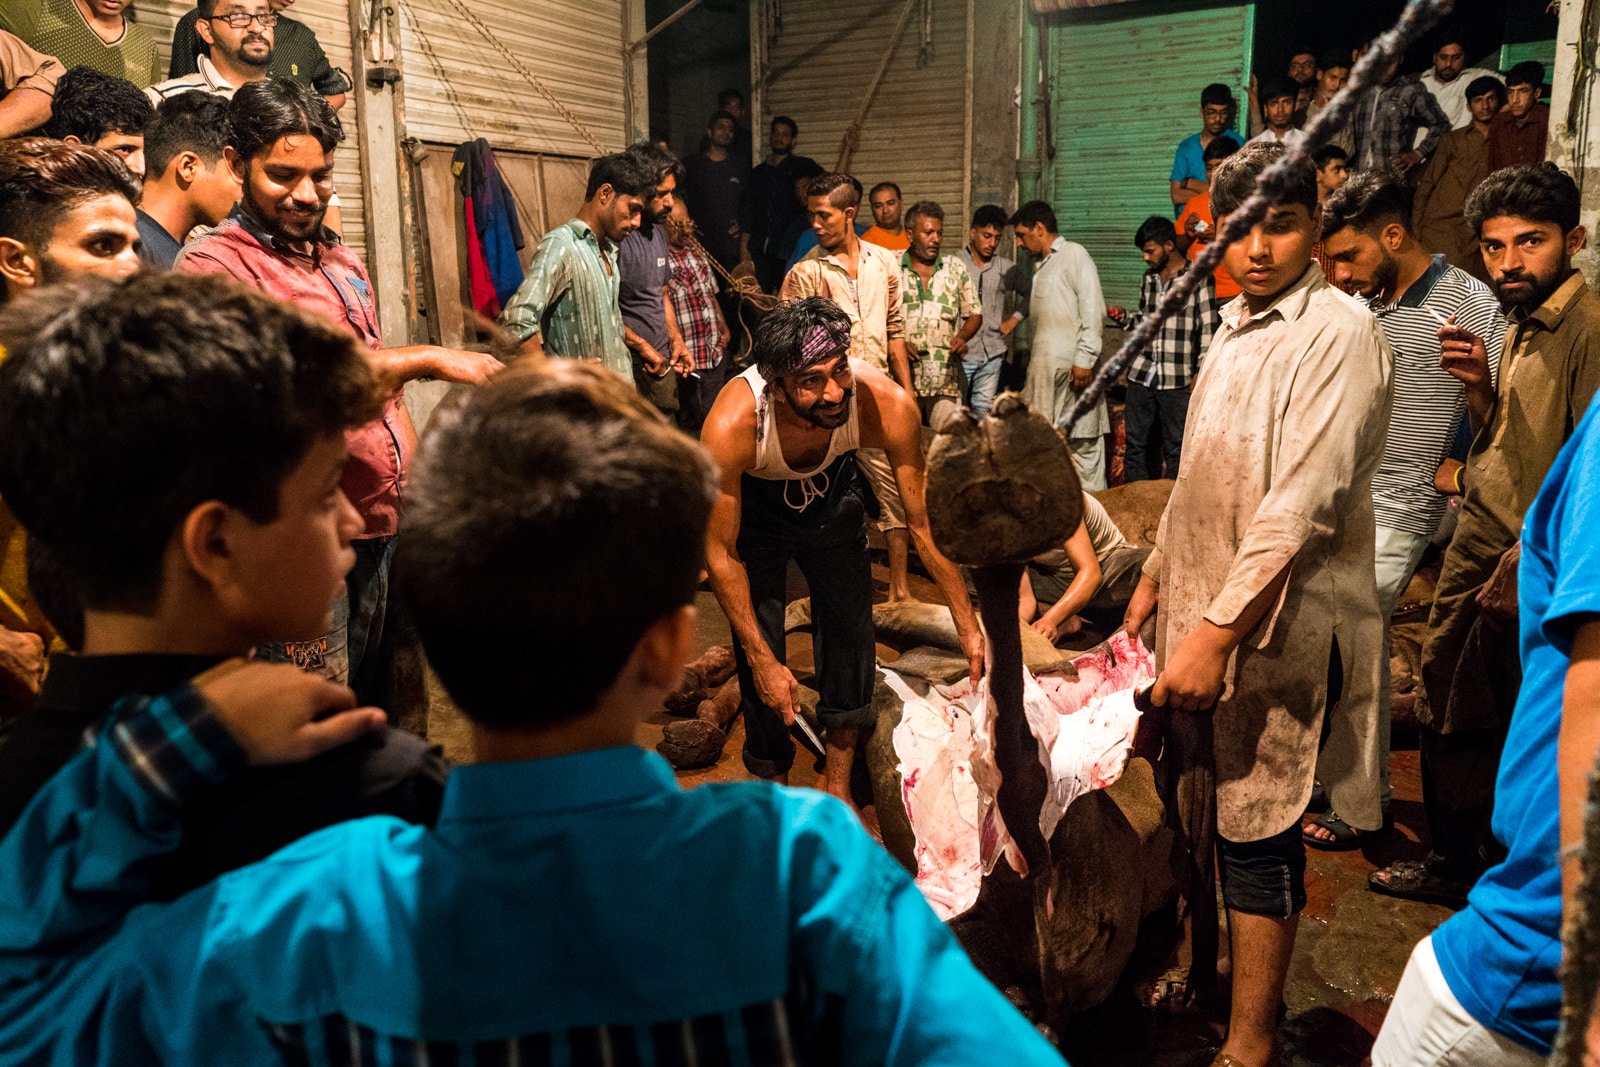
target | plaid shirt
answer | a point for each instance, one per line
(693, 290)
(1385, 125)
(933, 315)
(1173, 358)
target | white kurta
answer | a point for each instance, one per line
(1286, 428)
(1066, 309)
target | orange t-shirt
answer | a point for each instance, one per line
(893, 242)
(1200, 206)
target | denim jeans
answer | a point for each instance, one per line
(358, 647)
(827, 539)
(983, 383)
(1145, 407)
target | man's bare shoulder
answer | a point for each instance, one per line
(729, 433)
(882, 402)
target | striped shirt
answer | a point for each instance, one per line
(581, 909)
(570, 299)
(1428, 403)
(57, 28)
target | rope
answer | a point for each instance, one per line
(528, 76)
(883, 64)
(1418, 16)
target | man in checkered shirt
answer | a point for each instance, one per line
(1159, 377)
(693, 289)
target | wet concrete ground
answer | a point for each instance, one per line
(1352, 945)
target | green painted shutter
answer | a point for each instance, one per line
(1126, 91)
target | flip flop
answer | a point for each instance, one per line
(1410, 880)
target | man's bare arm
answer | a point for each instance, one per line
(397, 366)
(729, 436)
(22, 109)
(893, 423)
(900, 365)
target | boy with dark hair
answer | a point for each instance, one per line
(282, 138)
(1278, 101)
(1459, 166)
(1517, 134)
(1196, 228)
(1333, 169)
(1188, 166)
(550, 913)
(1262, 571)
(181, 565)
(1065, 307)
(189, 183)
(996, 277)
(1333, 69)
(103, 112)
(1374, 255)
(1160, 377)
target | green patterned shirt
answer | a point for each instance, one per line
(569, 298)
(58, 28)
(934, 313)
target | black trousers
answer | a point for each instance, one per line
(824, 532)
(1145, 407)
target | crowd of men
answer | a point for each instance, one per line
(205, 459)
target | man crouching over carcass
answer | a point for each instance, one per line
(784, 436)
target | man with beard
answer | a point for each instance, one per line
(1367, 238)
(66, 212)
(773, 205)
(1526, 219)
(644, 267)
(239, 36)
(1459, 165)
(282, 140)
(784, 436)
(1450, 79)
(296, 53)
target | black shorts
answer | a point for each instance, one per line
(1266, 877)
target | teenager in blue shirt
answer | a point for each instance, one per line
(573, 905)
(1188, 162)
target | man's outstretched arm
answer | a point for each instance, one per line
(897, 426)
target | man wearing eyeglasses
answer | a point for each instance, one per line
(296, 52)
(239, 36)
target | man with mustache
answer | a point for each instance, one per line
(240, 35)
(281, 144)
(784, 435)
(1526, 219)
(296, 53)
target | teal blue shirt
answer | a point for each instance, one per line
(569, 298)
(576, 910)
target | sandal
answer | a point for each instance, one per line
(1410, 880)
(1346, 838)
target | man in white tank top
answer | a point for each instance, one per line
(784, 436)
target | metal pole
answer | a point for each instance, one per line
(663, 24)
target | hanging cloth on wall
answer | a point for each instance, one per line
(492, 226)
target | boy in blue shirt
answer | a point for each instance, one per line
(1188, 163)
(573, 905)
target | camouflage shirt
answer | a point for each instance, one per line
(934, 313)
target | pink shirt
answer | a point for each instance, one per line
(332, 283)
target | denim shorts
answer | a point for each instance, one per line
(1266, 877)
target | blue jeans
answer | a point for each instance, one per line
(983, 382)
(358, 648)
(1145, 406)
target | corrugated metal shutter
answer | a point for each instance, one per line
(914, 133)
(1116, 129)
(330, 21)
(458, 87)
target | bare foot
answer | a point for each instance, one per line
(869, 820)
(895, 596)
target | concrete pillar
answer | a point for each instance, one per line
(1575, 119)
(636, 72)
(375, 100)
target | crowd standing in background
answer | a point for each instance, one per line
(1404, 329)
